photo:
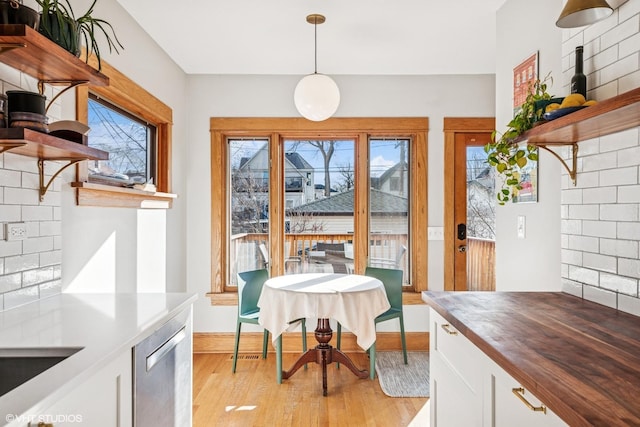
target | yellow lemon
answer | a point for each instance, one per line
(551, 107)
(573, 100)
(590, 102)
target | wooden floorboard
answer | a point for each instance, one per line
(251, 396)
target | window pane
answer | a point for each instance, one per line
(389, 204)
(319, 200)
(249, 216)
(129, 141)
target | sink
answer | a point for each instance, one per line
(19, 365)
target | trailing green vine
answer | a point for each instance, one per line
(505, 154)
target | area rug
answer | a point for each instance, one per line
(400, 380)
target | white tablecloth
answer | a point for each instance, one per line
(354, 301)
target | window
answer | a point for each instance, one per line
(145, 115)
(130, 141)
(296, 195)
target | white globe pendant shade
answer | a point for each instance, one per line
(317, 97)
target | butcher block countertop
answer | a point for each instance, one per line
(580, 358)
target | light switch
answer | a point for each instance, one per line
(522, 225)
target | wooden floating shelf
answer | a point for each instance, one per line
(27, 50)
(606, 117)
(43, 146)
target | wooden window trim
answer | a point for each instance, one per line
(359, 129)
(128, 95)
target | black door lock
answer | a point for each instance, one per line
(462, 231)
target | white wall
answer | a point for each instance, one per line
(532, 263)
(113, 249)
(362, 96)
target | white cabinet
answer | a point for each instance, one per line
(455, 379)
(511, 401)
(104, 399)
(470, 389)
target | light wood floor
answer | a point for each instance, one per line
(251, 396)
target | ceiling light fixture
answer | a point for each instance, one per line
(316, 96)
(578, 13)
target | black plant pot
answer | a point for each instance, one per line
(65, 33)
(25, 102)
(14, 12)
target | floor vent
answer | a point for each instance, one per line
(246, 357)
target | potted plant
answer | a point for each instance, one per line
(59, 23)
(505, 153)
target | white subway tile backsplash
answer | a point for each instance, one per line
(10, 213)
(20, 196)
(50, 288)
(9, 178)
(38, 244)
(585, 244)
(37, 213)
(619, 248)
(599, 195)
(628, 230)
(20, 297)
(619, 140)
(584, 212)
(601, 60)
(600, 262)
(629, 46)
(599, 162)
(620, 32)
(629, 304)
(629, 82)
(626, 212)
(51, 258)
(572, 288)
(10, 282)
(571, 196)
(629, 267)
(571, 257)
(20, 263)
(39, 275)
(629, 194)
(605, 90)
(624, 66)
(10, 248)
(587, 180)
(599, 228)
(584, 275)
(600, 296)
(620, 284)
(20, 163)
(628, 157)
(628, 9)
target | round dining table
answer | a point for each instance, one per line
(353, 300)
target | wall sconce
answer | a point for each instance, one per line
(578, 13)
(316, 96)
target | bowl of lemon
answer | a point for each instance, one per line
(567, 105)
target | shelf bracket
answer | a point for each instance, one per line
(574, 161)
(6, 146)
(44, 188)
(70, 84)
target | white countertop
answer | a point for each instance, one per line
(104, 325)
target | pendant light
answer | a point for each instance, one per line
(578, 13)
(316, 96)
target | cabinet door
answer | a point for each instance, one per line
(510, 410)
(105, 399)
(456, 367)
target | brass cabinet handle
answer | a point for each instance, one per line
(519, 391)
(447, 329)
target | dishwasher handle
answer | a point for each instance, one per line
(165, 348)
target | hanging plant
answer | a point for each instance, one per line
(505, 153)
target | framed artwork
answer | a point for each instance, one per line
(524, 74)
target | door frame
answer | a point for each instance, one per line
(451, 127)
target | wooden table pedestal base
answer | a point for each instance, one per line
(324, 354)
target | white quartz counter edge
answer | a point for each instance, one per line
(104, 325)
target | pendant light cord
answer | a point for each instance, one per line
(315, 46)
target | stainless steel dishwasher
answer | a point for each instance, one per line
(162, 375)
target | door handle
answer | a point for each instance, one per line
(165, 348)
(462, 248)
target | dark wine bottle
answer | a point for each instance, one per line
(579, 80)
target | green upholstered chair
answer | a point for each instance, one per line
(249, 288)
(392, 280)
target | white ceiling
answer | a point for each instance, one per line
(364, 37)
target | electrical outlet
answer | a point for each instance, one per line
(15, 231)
